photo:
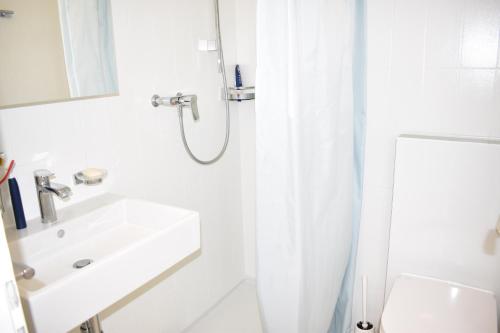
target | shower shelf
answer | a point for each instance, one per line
(240, 93)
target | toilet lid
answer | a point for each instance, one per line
(418, 304)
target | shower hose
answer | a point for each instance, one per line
(222, 70)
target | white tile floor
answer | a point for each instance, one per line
(238, 312)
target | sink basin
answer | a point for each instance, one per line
(127, 241)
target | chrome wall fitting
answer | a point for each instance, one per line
(240, 93)
(93, 325)
(6, 13)
(180, 101)
(22, 271)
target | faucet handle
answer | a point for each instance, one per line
(43, 176)
(194, 107)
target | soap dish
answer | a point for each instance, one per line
(90, 176)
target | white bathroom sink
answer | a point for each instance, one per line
(129, 242)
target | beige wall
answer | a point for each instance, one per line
(32, 63)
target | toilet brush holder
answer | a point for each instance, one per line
(364, 325)
(360, 329)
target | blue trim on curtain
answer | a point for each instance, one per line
(342, 318)
(105, 80)
(107, 47)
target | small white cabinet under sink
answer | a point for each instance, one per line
(127, 242)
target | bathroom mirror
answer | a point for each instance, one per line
(55, 50)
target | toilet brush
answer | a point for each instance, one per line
(364, 325)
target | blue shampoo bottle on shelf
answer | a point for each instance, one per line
(237, 78)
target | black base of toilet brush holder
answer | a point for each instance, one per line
(360, 328)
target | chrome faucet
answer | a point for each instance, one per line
(45, 189)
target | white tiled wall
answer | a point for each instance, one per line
(433, 68)
(156, 47)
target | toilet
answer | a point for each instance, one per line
(442, 269)
(423, 305)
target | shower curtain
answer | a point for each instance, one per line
(88, 47)
(309, 159)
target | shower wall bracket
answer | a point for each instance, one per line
(239, 93)
(207, 45)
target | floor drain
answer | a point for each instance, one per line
(82, 263)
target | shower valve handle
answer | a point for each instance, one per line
(180, 101)
(191, 101)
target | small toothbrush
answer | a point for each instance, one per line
(7, 172)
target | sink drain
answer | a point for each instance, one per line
(82, 263)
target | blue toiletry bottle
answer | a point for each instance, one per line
(17, 204)
(237, 78)
(237, 75)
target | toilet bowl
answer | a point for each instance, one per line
(424, 305)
